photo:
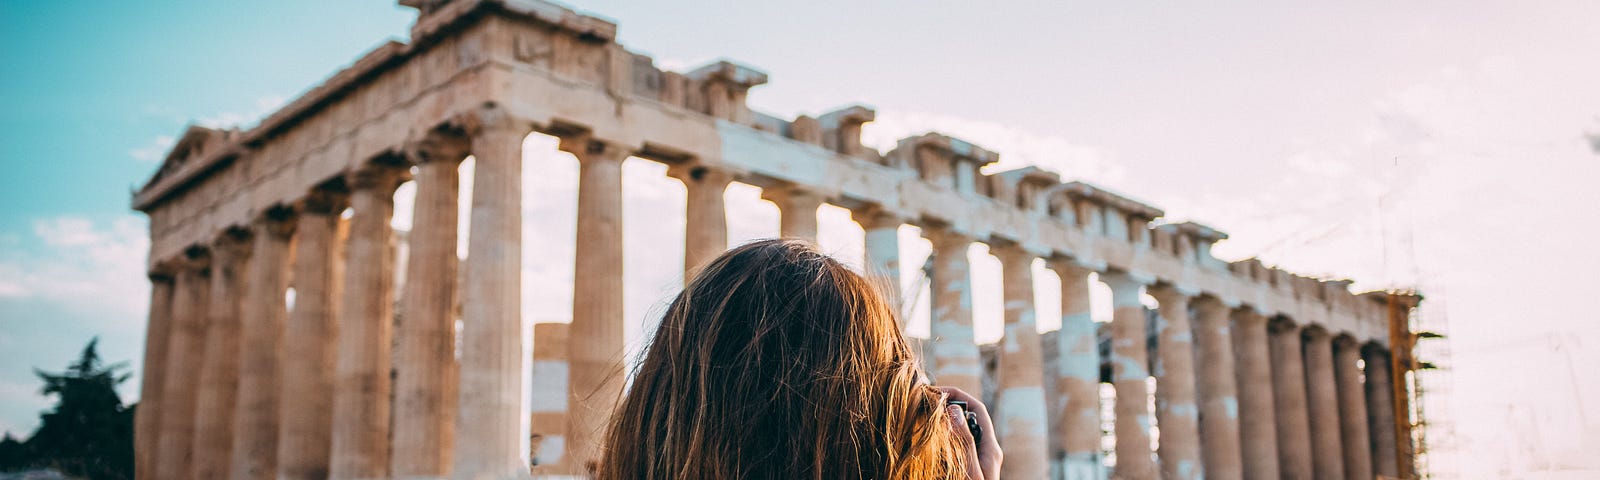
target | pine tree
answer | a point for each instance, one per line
(89, 433)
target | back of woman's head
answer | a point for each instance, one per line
(776, 361)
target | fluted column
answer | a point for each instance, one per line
(1128, 373)
(954, 353)
(219, 374)
(1380, 412)
(1258, 419)
(1289, 396)
(490, 406)
(361, 401)
(595, 345)
(1219, 405)
(1176, 411)
(310, 337)
(1076, 424)
(1322, 399)
(255, 441)
(147, 418)
(882, 254)
(424, 397)
(185, 352)
(797, 211)
(1356, 445)
(706, 218)
(1021, 421)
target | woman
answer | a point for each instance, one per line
(777, 362)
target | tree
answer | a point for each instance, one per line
(89, 433)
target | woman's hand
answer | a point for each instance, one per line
(982, 457)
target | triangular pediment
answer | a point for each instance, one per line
(197, 142)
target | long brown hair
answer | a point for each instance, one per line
(777, 361)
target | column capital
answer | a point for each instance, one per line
(379, 175)
(797, 195)
(1315, 332)
(277, 221)
(1346, 342)
(440, 145)
(589, 149)
(874, 216)
(324, 201)
(492, 119)
(1011, 254)
(945, 238)
(1248, 316)
(1067, 265)
(195, 258)
(231, 245)
(696, 173)
(1169, 292)
(1282, 324)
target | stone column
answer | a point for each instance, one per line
(309, 340)
(424, 397)
(882, 255)
(361, 400)
(954, 353)
(1128, 373)
(1258, 419)
(219, 373)
(1076, 425)
(1021, 421)
(147, 418)
(1356, 445)
(185, 352)
(547, 423)
(706, 220)
(595, 347)
(1176, 411)
(489, 415)
(1322, 399)
(1219, 405)
(255, 441)
(1380, 412)
(1289, 396)
(797, 211)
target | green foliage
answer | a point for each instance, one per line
(89, 433)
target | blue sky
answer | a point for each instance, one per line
(1428, 143)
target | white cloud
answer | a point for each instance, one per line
(154, 150)
(86, 265)
(259, 110)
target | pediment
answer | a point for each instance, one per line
(197, 142)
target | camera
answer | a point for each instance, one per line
(972, 420)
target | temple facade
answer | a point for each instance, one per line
(1258, 373)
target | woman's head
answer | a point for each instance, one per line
(776, 361)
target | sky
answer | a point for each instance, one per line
(1446, 146)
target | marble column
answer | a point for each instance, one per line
(147, 418)
(595, 345)
(1219, 404)
(219, 373)
(882, 255)
(361, 402)
(425, 338)
(1258, 419)
(547, 422)
(797, 211)
(1289, 397)
(185, 352)
(310, 338)
(952, 350)
(1356, 445)
(1176, 411)
(255, 441)
(489, 411)
(706, 218)
(1076, 425)
(1129, 359)
(1021, 419)
(1380, 412)
(1322, 399)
